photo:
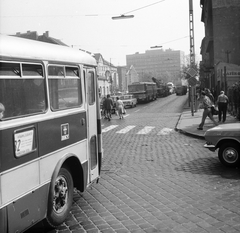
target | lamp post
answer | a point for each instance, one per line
(156, 47)
(122, 17)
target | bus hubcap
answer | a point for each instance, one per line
(60, 194)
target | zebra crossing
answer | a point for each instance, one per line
(143, 131)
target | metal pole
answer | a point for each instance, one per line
(192, 52)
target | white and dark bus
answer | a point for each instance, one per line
(50, 132)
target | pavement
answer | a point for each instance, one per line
(188, 122)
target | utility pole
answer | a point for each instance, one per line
(192, 56)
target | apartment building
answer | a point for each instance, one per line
(220, 47)
(165, 65)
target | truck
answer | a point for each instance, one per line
(143, 91)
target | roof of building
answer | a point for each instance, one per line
(33, 35)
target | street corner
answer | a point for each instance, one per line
(188, 124)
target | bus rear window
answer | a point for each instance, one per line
(64, 87)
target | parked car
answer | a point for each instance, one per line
(226, 138)
(129, 101)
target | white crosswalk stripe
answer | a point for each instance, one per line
(143, 131)
(165, 131)
(126, 129)
(146, 130)
(109, 128)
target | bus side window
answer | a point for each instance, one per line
(20, 95)
(65, 87)
(91, 88)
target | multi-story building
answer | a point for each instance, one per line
(108, 82)
(220, 47)
(126, 77)
(122, 73)
(165, 65)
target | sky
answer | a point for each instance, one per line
(88, 24)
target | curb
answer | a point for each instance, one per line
(189, 134)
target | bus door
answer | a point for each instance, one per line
(91, 85)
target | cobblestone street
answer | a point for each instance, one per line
(157, 182)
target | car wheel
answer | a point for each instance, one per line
(60, 198)
(228, 154)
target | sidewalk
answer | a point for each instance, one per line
(188, 124)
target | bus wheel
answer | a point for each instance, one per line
(60, 198)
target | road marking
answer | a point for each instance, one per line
(109, 128)
(143, 131)
(165, 131)
(126, 129)
(137, 110)
(146, 130)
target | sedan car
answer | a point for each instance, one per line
(129, 101)
(226, 138)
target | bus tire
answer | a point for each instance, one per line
(60, 198)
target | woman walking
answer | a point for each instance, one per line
(120, 108)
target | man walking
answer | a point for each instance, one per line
(222, 103)
(108, 104)
(207, 103)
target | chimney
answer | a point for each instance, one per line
(46, 33)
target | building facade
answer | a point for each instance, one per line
(108, 82)
(165, 65)
(220, 47)
(122, 72)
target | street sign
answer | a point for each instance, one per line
(192, 72)
(192, 81)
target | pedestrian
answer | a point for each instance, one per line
(213, 91)
(207, 104)
(222, 103)
(108, 105)
(2, 110)
(209, 95)
(120, 108)
(103, 111)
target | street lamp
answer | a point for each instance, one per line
(123, 17)
(156, 46)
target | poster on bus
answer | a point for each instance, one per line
(23, 142)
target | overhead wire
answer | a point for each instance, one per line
(144, 7)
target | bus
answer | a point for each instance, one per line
(50, 132)
(143, 91)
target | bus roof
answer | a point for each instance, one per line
(15, 47)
